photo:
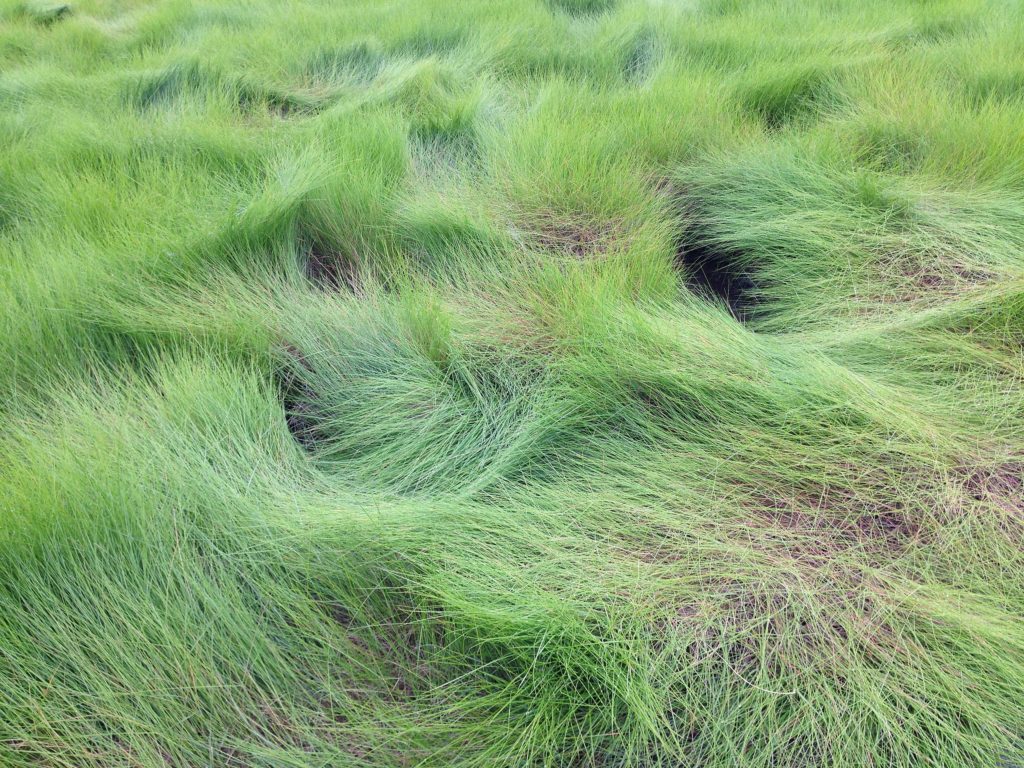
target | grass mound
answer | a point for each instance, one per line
(532, 383)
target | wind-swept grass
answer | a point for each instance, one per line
(522, 383)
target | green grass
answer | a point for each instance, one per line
(520, 383)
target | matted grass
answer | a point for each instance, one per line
(519, 383)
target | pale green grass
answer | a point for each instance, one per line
(520, 383)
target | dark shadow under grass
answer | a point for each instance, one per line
(718, 277)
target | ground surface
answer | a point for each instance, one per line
(567, 383)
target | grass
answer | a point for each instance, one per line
(520, 383)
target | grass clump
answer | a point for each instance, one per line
(523, 384)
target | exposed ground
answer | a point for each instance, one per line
(512, 383)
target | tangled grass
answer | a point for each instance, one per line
(520, 383)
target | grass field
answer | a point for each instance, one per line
(512, 383)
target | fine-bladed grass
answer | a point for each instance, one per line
(522, 383)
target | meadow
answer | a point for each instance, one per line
(631, 383)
